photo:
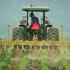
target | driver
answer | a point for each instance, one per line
(34, 22)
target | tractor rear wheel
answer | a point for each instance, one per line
(53, 34)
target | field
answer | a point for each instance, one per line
(52, 58)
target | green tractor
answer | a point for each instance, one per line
(43, 31)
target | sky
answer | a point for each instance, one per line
(11, 13)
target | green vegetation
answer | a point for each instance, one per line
(38, 59)
(5, 58)
(23, 63)
(45, 65)
(65, 63)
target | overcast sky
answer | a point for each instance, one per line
(10, 13)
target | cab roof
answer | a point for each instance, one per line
(36, 9)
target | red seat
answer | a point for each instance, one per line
(35, 26)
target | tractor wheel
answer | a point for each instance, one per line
(17, 33)
(25, 32)
(53, 34)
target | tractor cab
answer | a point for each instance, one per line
(37, 9)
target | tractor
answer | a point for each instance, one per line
(42, 31)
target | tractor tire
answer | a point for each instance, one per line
(53, 34)
(25, 32)
(17, 33)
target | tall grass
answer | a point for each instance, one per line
(58, 56)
